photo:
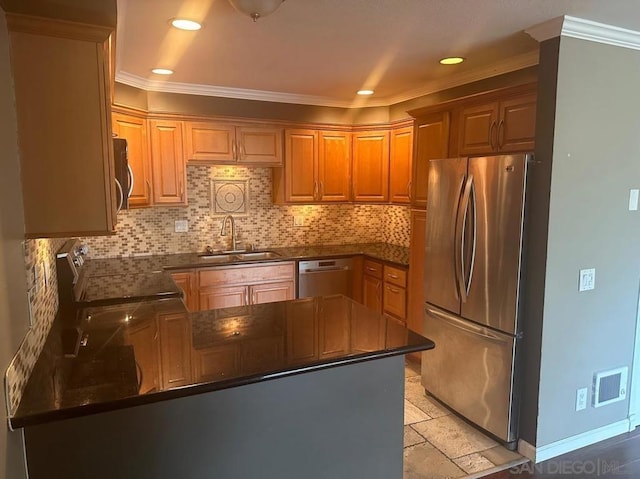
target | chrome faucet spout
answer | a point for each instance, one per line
(223, 231)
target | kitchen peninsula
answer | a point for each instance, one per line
(303, 388)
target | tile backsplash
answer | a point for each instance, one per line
(152, 230)
(44, 306)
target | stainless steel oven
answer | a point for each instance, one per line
(325, 277)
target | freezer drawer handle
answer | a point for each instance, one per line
(467, 327)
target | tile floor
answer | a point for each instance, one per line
(438, 444)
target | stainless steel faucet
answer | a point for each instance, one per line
(223, 231)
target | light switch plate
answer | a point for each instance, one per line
(633, 200)
(182, 226)
(298, 221)
(587, 279)
(581, 399)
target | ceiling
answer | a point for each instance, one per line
(322, 51)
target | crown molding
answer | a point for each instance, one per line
(498, 68)
(582, 29)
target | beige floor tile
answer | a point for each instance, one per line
(473, 463)
(411, 437)
(425, 462)
(411, 369)
(412, 414)
(414, 393)
(453, 436)
(501, 455)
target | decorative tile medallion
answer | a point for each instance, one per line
(229, 196)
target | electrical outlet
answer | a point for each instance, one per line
(182, 226)
(298, 221)
(581, 399)
(587, 279)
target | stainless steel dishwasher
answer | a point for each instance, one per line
(324, 277)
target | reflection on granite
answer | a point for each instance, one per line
(137, 353)
(140, 286)
(147, 264)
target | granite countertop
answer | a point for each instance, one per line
(388, 253)
(138, 353)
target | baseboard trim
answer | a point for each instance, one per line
(555, 449)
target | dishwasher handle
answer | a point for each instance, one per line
(324, 270)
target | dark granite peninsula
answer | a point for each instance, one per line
(305, 388)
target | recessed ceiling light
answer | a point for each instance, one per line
(451, 60)
(365, 92)
(184, 24)
(162, 71)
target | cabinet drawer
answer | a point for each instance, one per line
(373, 268)
(246, 274)
(394, 301)
(395, 276)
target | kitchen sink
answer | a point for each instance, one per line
(229, 257)
(258, 255)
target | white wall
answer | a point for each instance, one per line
(13, 301)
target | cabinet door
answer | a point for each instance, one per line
(167, 155)
(62, 92)
(134, 130)
(185, 281)
(400, 165)
(222, 297)
(261, 146)
(479, 129)
(208, 142)
(301, 152)
(371, 166)
(517, 126)
(175, 350)
(143, 337)
(394, 301)
(416, 273)
(215, 363)
(272, 292)
(431, 142)
(261, 354)
(372, 293)
(334, 166)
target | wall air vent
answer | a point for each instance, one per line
(610, 386)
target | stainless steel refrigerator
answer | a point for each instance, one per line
(473, 266)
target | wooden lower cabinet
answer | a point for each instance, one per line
(395, 301)
(372, 292)
(226, 287)
(302, 327)
(260, 354)
(185, 280)
(416, 273)
(175, 350)
(334, 333)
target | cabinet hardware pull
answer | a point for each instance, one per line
(315, 190)
(253, 298)
(409, 190)
(491, 128)
(246, 296)
(392, 276)
(149, 190)
(321, 190)
(181, 189)
(393, 290)
(233, 149)
(500, 135)
(243, 153)
(371, 269)
(378, 287)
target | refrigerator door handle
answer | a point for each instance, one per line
(461, 220)
(475, 233)
(467, 326)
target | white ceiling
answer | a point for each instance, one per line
(322, 51)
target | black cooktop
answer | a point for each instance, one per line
(128, 287)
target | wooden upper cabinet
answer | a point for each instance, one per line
(259, 145)
(400, 165)
(334, 166)
(501, 126)
(517, 126)
(134, 130)
(209, 142)
(62, 96)
(169, 170)
(220, 142)
(431, 142)
(301, 157)
(371, 166)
